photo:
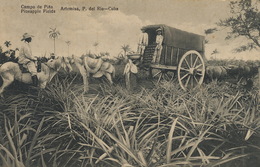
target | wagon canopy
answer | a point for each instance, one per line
(177, 38)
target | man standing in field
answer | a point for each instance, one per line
(27, 59)
(158, 48)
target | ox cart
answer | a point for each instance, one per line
(182, 55)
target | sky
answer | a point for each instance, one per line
(114, 28)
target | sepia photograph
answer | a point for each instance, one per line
(130, 83)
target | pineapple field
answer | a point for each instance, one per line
(154, 124)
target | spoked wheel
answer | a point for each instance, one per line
(191, 70)
(163, 74)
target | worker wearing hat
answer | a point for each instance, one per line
(27, 59)
(142, 42)
(158, 48)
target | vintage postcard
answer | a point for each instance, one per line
(129, 83)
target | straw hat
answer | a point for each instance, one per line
(26, 35)
(159, 29)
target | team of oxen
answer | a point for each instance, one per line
(88, 66)
(241, 73)
(85, 65)
(97, 67)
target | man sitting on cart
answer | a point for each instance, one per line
(158, 48)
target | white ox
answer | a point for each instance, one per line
(10, 71)
(87, 65)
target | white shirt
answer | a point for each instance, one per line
(159, 39)
(25, 53)
(143, 39)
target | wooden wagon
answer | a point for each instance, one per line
(182, 55)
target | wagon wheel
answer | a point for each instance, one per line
(164, 74)
(191, 70)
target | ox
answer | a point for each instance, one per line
(87, 66)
